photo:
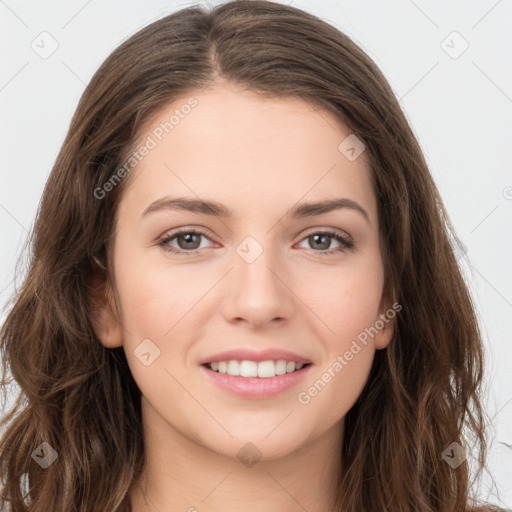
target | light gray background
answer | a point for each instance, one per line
(459, 108)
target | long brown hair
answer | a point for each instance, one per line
(80, 397)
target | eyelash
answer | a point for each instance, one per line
(346, 243)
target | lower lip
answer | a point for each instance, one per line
(256, 387)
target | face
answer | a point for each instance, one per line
(191, 285)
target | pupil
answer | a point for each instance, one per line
(188, 240)
(325, 244)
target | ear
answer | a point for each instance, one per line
(385, 323)
(104, 312)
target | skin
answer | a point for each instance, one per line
(259, 157)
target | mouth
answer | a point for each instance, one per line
(255, 381)
(252, 369)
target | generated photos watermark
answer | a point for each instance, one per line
(305, 397)
(150, 143)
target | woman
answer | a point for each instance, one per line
(161, 374)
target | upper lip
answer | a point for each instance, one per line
(268, 354)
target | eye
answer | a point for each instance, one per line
(322, 239)
(189, 241)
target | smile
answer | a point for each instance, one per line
(249, 379)
(262, 369)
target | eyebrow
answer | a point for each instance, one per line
(215, 209)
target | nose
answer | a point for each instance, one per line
(257, 291)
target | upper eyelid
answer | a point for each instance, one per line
(204, 232)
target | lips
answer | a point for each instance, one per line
(251, 355)
(256, 388)
(250, 386)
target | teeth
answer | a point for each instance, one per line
(233, 368)
(263, 369)
(246, 369)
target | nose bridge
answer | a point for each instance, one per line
(255, 259)
(258, 291)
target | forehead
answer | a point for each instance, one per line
(245, 150)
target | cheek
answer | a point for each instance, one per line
(153, 297)
(349, 305)
(334, 390)
(346, 299)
